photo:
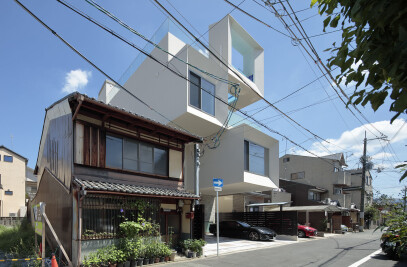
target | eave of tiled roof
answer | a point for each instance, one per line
(131, 189)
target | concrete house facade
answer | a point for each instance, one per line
(355, 188)
(325, 172)
(246, 159)
(98, 164)
(12, 183)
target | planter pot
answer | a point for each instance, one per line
(140, 261)
(127, 264)
(162, 259)
(152, 261)
(166, 258)
(120, 264)
(133, 263)
(191, 254)
(172, 257)
(156, 260)
(112, 265)
(146, 261)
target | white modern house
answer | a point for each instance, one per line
(246, 159)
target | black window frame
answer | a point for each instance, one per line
(8, 192)
(247, 159)
(139, 143)
(200, 89)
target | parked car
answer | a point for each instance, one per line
(304, 231)
(241, 229)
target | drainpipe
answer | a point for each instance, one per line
(81, 195)
(197, 163)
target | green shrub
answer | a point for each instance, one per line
(18, 240)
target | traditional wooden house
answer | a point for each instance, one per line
(98, 164)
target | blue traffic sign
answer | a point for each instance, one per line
(217, 182)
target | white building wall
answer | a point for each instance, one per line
(12, 179)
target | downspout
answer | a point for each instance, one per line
(81, 195)
(197, 163)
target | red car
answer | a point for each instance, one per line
(304, 231)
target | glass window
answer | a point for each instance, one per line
(133, 155)
(337, 190)
(160, 161)
(146, 158)
(255, 158)
(130, 155)
(208, 99)
(194, 90)
(8, 192)
(114, 152)
(314, 196)
(297, 175)
(8, 158)
(201, 94)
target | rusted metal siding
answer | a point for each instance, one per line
(58, 208)
(57, 153)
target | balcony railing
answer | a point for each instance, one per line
(341, 178)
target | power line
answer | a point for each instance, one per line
(255, 18)
(155, 60)
(236, 73)
(323, 65)
(93, 65)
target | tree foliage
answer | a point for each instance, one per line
(373, 51)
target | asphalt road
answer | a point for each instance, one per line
(338, 250)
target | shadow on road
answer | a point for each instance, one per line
(343, 252)
(401, 262)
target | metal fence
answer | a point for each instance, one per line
(284, 223)
(11, 221)
(102, 215)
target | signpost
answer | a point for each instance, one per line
(39, 211)
(217, 186)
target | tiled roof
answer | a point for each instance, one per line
(132, 189)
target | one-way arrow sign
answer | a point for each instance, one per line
(217, 182)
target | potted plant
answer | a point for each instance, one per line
(199, 244)
(140, 254)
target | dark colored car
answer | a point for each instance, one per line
(304, 231)
(241, 229)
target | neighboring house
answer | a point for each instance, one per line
(12, 183)
(247, 158)
(98, 164)
(30, 184)
(355, 188)
(324, 172)
(304, 194)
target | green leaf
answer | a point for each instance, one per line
(326, 21)
(334, 22)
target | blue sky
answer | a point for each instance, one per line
(37, 69)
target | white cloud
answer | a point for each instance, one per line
(76, 80)
(352, 141)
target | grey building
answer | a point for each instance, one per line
(325, 172)
(355, 189)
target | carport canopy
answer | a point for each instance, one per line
(308, 209)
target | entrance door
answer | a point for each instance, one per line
(170, 226)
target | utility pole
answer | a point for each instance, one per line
(362, 190)
(404, 199)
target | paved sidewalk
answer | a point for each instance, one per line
(233, 245)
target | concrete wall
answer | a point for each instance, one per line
(12, 179)
(318, 172)
(227, 162)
